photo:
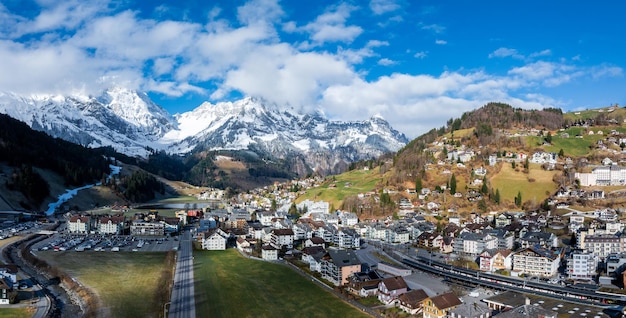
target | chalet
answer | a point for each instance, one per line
(447, 245)
(389, 289)
(364, 284)
(412, 301)
(315, 241)
(244, 245)
(503, 220)
(428, 239)
(215, 240)
(438, 306)
(313, 256)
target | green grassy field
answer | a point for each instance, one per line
(510, 182)
(347, 184)
(229, 285)
(125, 282)
(17, 312)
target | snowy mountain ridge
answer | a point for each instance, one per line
(131, 123)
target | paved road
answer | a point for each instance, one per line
(183, 303)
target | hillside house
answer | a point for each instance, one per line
(389, 289)
(215, 240)
(412, 301)
(269, 253)
(364, 284)
(439, 306)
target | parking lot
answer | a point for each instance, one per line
(106, 243)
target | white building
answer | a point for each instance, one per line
(111, 225)
(603, 176)
(536, 261)
(215, 240)
(79, 224)
(582, 265)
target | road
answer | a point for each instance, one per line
(183, 303)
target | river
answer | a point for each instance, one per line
(52, 207)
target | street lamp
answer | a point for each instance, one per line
(165, 309)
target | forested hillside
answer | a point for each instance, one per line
(23, 148)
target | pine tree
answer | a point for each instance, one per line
(452, 184)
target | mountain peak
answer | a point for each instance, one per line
(130, 122)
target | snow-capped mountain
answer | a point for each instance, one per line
(130, 122)
(320, 144)
(124, 119)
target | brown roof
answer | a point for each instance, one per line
(3, 284)
(10, 268)
(75, 218)
(394, 283)
(413, 297)
(505, 253)
(317, 240)
(283, 231)
(446, 300)
(114, 219)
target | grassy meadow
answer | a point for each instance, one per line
(125, 282)
(23, 312)
(510, 182)
(230, 285)
(346, 184)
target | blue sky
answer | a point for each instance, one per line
(415, 63)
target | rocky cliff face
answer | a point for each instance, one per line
(131, 123)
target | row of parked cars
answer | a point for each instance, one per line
(12, 228)
(98, 242)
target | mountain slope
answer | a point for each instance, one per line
(308, 139)
(132, 124)
(121, 118)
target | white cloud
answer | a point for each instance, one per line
(506, 52)
(513, 53)
(420, 55)
(259, 11)
(606, 71)
(441, 42)
(386, 62)
(383, 6)
(330, 26)
(435, 28)
(249, 57)
(546, 52)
